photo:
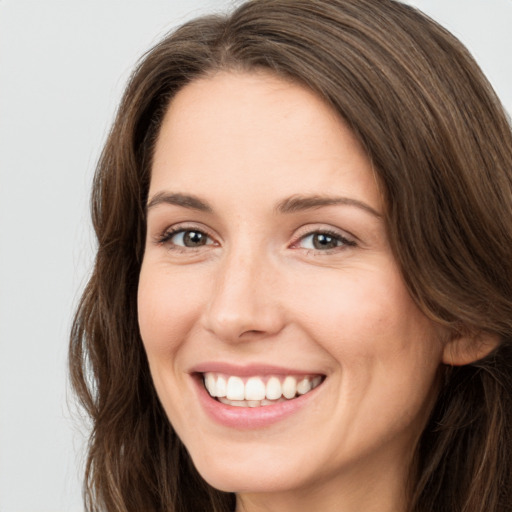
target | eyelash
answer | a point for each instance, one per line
(168, 234)
(343, 242)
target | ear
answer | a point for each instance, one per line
(467, 348)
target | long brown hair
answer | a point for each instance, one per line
(441, 146)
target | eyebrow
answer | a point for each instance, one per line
(185, 200)
(300, 203)
(289, 205)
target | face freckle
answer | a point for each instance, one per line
(295, 279)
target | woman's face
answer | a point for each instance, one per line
(267, 271)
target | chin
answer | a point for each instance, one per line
(256, 480)
(254, 468)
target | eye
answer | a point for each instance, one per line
(323, 241)
(186, 238)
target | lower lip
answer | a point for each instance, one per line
(250, 417)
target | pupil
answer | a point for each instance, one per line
(324, 242)
(194, 238)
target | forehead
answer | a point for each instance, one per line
(252, 129)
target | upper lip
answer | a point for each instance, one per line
(249, 369)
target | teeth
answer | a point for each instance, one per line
(221, 387)
(250, 403)
(257, 391)
(304, 386)
(290, 387)
(254, 389)
(237, 403)
(209, 382)
(274, 390)
(236, 389)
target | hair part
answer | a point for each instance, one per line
(441, 146)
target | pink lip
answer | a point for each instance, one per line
(247, 370)
(249, 417)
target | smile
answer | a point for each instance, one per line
(258, 391)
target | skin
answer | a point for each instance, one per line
(260, 292)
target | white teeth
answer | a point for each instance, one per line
(304, 386)
(221, 387)
(235, 389)
(255, 389)
(250, 403)
(238, 403)
(274, 390)
(209, 382)
(290, 387)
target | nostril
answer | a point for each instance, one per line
(251, 332)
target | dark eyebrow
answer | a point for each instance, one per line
(185, 200)
(300, 203)
(288, 205)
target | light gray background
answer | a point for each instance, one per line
(63, 65)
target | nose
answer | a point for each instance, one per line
(244, 301)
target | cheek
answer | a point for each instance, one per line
(364, 304)
(375, 332)
(354, 310)
(167, 310)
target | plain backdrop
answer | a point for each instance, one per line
(63, 65)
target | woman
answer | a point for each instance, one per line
(302, 297)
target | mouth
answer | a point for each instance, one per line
(258, 391)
